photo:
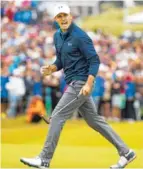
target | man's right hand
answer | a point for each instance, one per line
(48, 70)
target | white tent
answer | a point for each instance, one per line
(135, 18)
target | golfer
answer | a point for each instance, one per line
(77, 57)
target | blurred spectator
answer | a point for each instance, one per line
(29, 82)
(4, 92)
(27, 42)
(99, 89)
(107, 97)
(54, 94)
(35, 109)
(117, 92)
(130, 97)
(16, 90)
(37, 86)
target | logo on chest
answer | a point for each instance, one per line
(69, 44)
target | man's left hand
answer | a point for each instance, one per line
(86, 89)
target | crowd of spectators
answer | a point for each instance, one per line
(27, 44)
(119, 84)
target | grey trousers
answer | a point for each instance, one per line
(87, 108)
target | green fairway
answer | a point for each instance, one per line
(79, 146)
(111, 21)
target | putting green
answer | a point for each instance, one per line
(79, 146)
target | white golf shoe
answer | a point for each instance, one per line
(124, 160)
(35, 162)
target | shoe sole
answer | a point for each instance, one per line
(24, 162)
(126, 164)
(131, 160)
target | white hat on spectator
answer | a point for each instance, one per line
(103, 68)
(22, 68)
(61, 8)
(122, 64)
(119, 73)
(17, 72)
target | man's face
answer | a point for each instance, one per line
(64, 20)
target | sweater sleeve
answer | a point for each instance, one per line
(87, 49)
(58, 58)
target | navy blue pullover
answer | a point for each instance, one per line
(75, 54)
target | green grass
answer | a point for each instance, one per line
(111, 21)
(79, 146)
